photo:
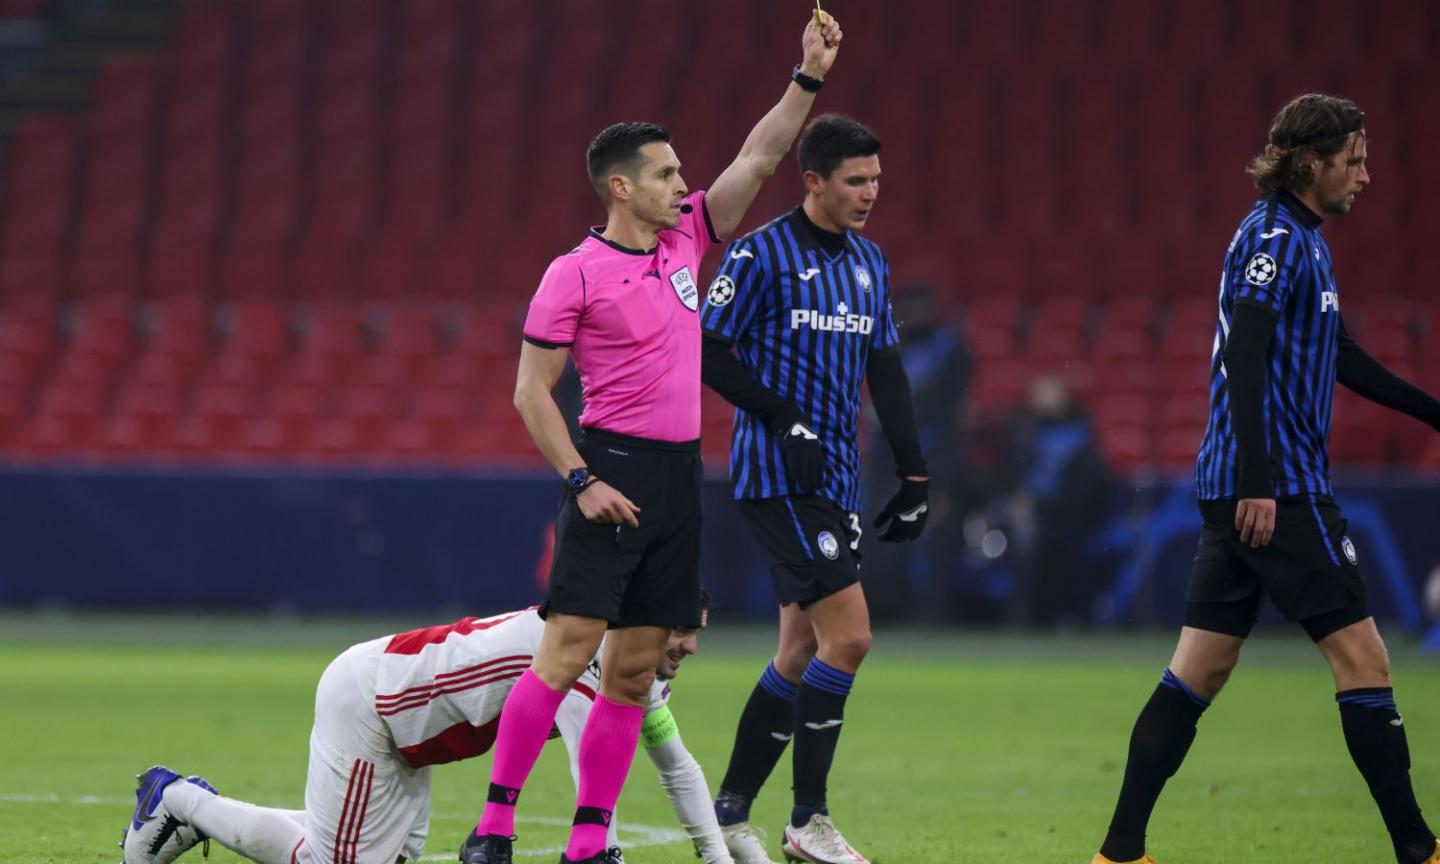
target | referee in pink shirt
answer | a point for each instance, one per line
(627, 553)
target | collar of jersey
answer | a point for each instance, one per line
(1296, 208)
(811, 239)
(595, 232)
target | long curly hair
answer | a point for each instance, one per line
(1313, 123)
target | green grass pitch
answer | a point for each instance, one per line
(956, 748)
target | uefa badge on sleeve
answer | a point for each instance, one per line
(1349, 549)
(1260, 270)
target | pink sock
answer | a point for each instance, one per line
(607, 747)
(525, 724)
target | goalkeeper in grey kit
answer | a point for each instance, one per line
(796, 320)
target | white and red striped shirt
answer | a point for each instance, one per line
(440, 689)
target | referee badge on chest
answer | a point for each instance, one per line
(685, 288)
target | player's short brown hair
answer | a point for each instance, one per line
(831, 139)
(1314, 123)
(617, 148)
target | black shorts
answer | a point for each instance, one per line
(1310, 570)
(633, 577)
(813, 546)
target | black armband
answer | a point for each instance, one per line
(890, 392)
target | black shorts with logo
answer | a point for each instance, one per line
(813, 546)
(1309, 570)
(632, 577)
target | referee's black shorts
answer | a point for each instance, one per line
(633, 577)
(813, 546)
(1310, 570)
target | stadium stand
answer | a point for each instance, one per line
(306, 230)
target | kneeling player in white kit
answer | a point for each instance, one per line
(385, 711)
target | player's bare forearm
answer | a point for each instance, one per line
(732, 193)
(540, 368)
(735, 189)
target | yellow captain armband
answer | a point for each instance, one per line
(659, 727)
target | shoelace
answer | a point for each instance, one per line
(828, 838)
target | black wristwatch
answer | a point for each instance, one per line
(577, 478)
(807, 83)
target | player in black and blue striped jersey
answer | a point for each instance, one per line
(796, 320)
(1270, 526)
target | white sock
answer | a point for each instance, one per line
(263, 834)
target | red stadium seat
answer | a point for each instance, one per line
(1064, 194)
(224, 402)
(333, 439)
(298, 401)
(409, 439)
(1176, 448)
(104, 328)
(179, 326)
(333, 328)
(255, 326)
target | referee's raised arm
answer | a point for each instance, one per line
(735, 189)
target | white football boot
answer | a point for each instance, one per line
(746, 843)
(154, 835)
(819, 842)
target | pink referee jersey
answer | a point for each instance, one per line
(629, 317)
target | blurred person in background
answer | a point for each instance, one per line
(938, 365)
(1057, 507)
(1270, 524)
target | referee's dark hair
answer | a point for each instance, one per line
(617, 148)
(831, 139)
(1313, 123)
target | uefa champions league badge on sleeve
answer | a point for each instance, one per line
(721, 292)
(1348, 548)
(685, 288)
(1260, 270)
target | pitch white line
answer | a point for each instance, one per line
(84, 800)
(632, 836)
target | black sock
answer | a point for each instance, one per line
(819, 713)
(1375, 734)
(766, 726)
(1161, 738)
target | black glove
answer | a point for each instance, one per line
(804, 459)
(906, 512)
